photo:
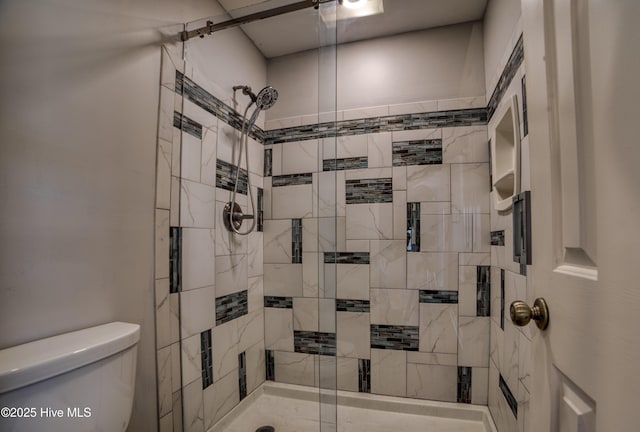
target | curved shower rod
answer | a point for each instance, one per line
(210, 27)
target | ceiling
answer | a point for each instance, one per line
(298, 31)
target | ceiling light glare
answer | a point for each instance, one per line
(353, 4)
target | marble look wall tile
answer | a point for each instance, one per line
(500, 411)
(351, 146)
(305, 314)
(163, 313)
(395, 307)
(198, 253)
(347, 373)
(197, 205)
(510, 351)
(165, 403)
(352, 280)
(191, 157)
(231, 274)
(291, 202)
(524, 362)
(379, 149)
(481, 233)
(332, 234)
(383, 382)
(400, 215)
(428, 183)
(439, 328)
(295, 368)
(446, 233)
(327, 197)
(353, 335)
(208, 160)
(461, 103)
(479, 386)
(283, 280)
(311, 262)
(220, 398)
(465, 144)
(368, 112)
(470, 188)
(475, 259)
(255, 257)
(196, 310)
(432, 358)
(473, 341)
(416, 135)
(165, 423)
(432, 271)
(277, 241)
(191, 360)
(176, 381)
(435, 208)
(300, 157)
(162, 244)
(467, 288)
(255, 366)
(278, 329)
(163, 174)
(225, 349)
(175, 202)
(193, 411)
(250, 330)
(414, 107)
(388, 264)
(178, 424)
(369, 221)
(432, 382)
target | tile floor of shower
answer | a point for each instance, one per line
(293, 408)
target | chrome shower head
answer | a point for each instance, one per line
(266, 98)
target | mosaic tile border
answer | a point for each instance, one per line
(513, 64)
(346, 257)
(413, 227)
(502, 298)
(428, 120)
(292, 180)
(185, 124)
(497, 238)
(508, 395)
(345, 163)
(311, 342)
(226, 177)
(369, 191)
(419, 152)
(483, 286)
(278, 302)
(296, 241)
(268, 162)
(270, 365)
(364, 375)
(242, 375)
(438, 296)
(206, 358)
(346, 305)
(395, 337)
(231, 306)
(175, 259)
(464, 384)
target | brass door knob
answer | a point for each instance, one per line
(521, 313)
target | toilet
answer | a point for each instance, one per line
(80, 381)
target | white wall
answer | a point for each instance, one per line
(78, 120)
(501, 19)
(441, 63)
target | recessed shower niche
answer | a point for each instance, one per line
(505, 154)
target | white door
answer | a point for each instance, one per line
(583, 94)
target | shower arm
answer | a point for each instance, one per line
(210, 27)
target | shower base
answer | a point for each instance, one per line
(294, 408)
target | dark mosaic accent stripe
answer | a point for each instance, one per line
(413, 227)
(296, 241)
(345, 164)
(212, 104)
(429, 120)
(231, 306)
(497, 238)
(506, 391)
(292, 180)
(345, 305)
(483, 285)
(268, 162)
(226, 177)
(365, 191)
(421, 152)
(207, 358)
(525, 117)
(270, 365)
(364, 375)
(175, 259)
(346, 257)
(187, 125)
(278, 302)
(260, 221)
(490, 168)
(522, 230)
(509, 71)
(438, 296)
(502, 299)
(464, 384)
(394, 337)
(310, 342)
(242, 374)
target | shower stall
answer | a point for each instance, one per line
(326, 249)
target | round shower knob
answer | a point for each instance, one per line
(522, 314)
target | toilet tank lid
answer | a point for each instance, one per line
(35, 361)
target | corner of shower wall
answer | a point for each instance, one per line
(209, 301)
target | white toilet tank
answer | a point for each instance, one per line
(80, 381)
